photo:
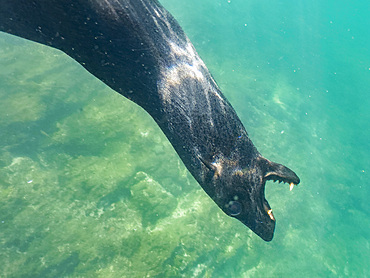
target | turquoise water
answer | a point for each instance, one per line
(90, 187)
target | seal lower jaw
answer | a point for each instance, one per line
(268, 209)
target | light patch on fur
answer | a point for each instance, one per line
(188, 65)
(193, 69)
(186, 62)
(218, 167)
(238, 173)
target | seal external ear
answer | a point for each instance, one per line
(212, 166)
(208, 164)
(275, 171)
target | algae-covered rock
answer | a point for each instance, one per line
(152, 199)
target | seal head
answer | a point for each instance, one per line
(240, 192)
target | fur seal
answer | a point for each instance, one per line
(138, 49)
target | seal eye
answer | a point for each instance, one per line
(234, 207)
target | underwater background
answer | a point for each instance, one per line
(90, 187)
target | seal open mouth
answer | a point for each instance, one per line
(277, 172)
(257, 213)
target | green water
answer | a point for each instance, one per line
(90, 187)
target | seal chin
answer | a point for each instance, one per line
(265, 224)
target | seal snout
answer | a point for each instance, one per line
(278, 172)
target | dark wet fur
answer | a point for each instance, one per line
(138, 49)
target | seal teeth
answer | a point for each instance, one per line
(291, 186)
(269, 212)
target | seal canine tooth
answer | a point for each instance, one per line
(269, 212)
(291, 186)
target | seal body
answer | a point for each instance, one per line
(138, 49)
